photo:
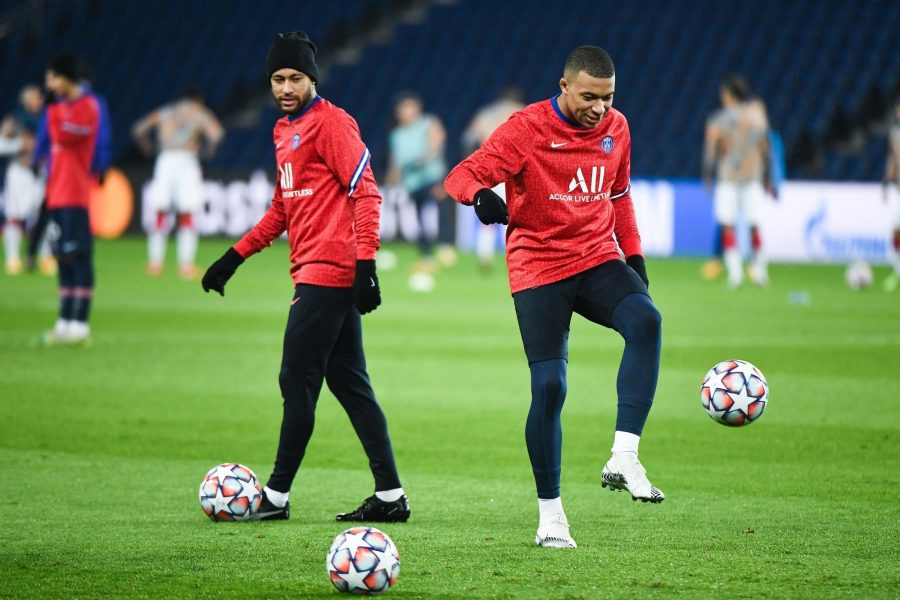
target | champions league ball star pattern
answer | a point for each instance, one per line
(734, 393)
(230, 492)
(363, 560)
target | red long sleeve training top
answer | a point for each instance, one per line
(72, 127)
(325, 197)
(567, 188)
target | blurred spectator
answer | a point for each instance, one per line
(486, 120)
(736, 155)
(24, 188)
(184, 129)
(418, 164)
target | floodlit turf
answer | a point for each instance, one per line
(102, 449)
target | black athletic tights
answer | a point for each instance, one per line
(323, 341)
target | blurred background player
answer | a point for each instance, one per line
(736, 155)
(100, 163)
(892, 195)
(72, 123)
(486, 120)
(24, 188)
(184, 129)
(568, 160)
(327, 201)
(418, 164)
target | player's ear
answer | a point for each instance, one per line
(563, 84)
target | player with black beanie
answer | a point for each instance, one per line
(327, 201)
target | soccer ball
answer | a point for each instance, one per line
(858, 275)
(230, 492)
(363, 560)
(734, 393)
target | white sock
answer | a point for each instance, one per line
(78, 329)
(390, 495)
(279, 499)
(156, 245)
(12, 239)
(549, 508)
(761, 265)
(186, 241)
(733, 265)
(625, 442)
(61, 327)
(44, 250)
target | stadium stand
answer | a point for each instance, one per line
(810, 61)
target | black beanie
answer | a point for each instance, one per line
(65, 65)
(293, 50)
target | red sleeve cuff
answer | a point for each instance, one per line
(243, 248)
(631, 246)
(469, 196)
(366, 252)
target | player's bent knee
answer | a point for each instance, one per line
(650, 323)
(638, 319)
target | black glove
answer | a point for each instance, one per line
(366, 293)
(636, 262)
(490, 207)
(218, 273)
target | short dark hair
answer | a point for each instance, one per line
(593, 60)
(405, 95)
(737, 86)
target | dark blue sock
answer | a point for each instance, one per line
(639, 322)
(543, 430)
(66, 271)
(84, 287)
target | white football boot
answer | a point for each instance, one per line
(554, 533)
(625, 472)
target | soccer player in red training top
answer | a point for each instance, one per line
(566, 164)
(327, 201)
(72, 123)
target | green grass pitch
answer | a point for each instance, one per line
(102, 449)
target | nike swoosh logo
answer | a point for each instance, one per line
(295, 300)
(372, 282)
(261, 515)
(557, 144)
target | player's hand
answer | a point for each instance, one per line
(636, 262)
(490, 207)
(366, 292)
(218, 273)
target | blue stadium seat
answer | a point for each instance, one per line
(805, 58)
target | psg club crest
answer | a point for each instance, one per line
(607, 144)
(295, 141)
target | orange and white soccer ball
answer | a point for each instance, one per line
(363, 560)
(734, 393)
(230, 492)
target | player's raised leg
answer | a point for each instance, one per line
(639, 323)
